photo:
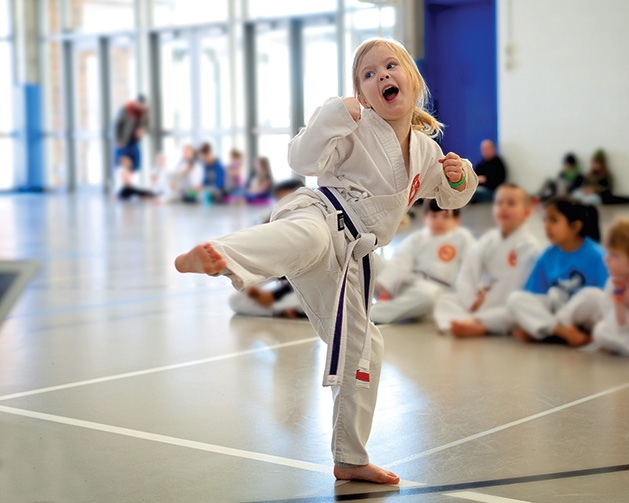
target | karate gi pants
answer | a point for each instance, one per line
(449, 308)
(305, 246)
(539, 314)
(612, 337)
(414, 300)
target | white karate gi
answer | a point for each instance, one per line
(422, 268)
(607, 332)
(363, 161)
(539, 314)
(500, 265)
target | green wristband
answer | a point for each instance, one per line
(459, 183)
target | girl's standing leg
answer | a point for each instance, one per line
(354, 406)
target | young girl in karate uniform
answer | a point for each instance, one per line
(611, 333)
(374, 157)
(547, 309)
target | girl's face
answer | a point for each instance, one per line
(385, 85)
(617, 263)
(558, 229)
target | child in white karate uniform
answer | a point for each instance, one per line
(611, 333)
(372, 164)
(547, 309)
(497, 265)
(423, 267)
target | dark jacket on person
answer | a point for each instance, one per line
(494, 170)
(129, 120)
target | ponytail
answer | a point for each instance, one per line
(426, 123)
(575, 211)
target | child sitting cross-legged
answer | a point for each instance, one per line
(497, 265)
(423, 267)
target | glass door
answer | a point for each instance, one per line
(176, 93)
(217, 92)
(87, 135)
(273, 96)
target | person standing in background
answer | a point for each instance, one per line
(129, 129)
(491, 173)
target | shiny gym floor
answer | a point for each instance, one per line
(123, 381)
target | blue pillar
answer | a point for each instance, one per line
(29, 156)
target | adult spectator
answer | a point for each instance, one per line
(491, 173)
(129, 128)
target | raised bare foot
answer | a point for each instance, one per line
(575, 337)
(202, 258)
(467, 328)
(368, 473)
(523, 335)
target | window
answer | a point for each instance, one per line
(97, 16)
(186, 12)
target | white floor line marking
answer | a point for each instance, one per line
(156, 369)
(163, 439)
(505, 426)
(484, 498)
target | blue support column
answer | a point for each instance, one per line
(29, 137)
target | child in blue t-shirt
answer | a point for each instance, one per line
(545, 310)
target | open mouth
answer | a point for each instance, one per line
(390, 93)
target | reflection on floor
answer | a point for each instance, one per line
(121, 380)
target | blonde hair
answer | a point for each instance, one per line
(618, 236)
(421, 119)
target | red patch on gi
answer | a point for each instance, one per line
(414, 189)
(446, 253)
(513, 258)
(362, 376)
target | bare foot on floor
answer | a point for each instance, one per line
(202, 258)
(575, 337)
(368, 473)
(523, 335)
(468, 328)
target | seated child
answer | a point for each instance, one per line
(612, 332)
(423, 267)
(546, 309)
(125, 181)
(274, 299)
(497, 265)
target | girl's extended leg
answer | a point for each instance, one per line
(284, 247)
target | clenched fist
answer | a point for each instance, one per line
(452, 167)
(353, 107)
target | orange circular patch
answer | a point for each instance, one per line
(447, 253)
(415, 184)
(513, 258)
